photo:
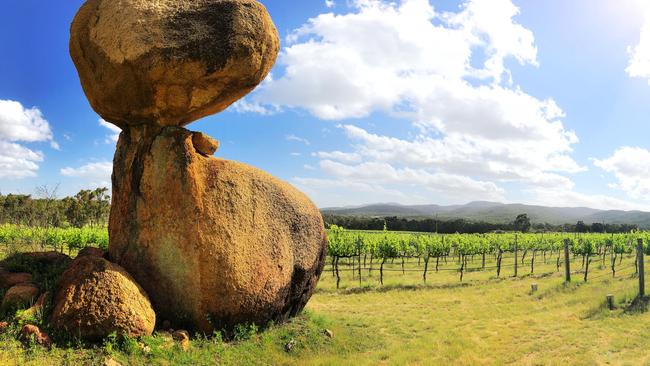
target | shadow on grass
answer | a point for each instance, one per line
(637, 306)
(600, 312)
(561, 288)
(398, 287)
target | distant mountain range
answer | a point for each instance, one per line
(495, 212)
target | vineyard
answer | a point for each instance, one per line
(58, 239)
(366, 252)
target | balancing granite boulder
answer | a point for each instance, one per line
(170, 62)
(214, 242)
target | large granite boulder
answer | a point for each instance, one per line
(214, 242)
(170, 62)
(96, 298)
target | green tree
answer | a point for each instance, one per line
(522, 223)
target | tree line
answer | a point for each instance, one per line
(86, 208)
(462, 226)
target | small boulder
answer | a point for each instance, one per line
(183, 338)
(204, 144)
(96, 298)
(108, 361)
(91, 252)
(9, 279)
(20, 295)
(33, 333)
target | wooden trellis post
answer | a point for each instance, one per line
(639, 255)
(567, 264)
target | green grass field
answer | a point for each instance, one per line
(482, 321)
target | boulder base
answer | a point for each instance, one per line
(96, 298)
(214, 242)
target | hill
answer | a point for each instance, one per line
(495, 212)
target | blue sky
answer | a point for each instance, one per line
(412, 101)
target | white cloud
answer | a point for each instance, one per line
(20, 124)
(639, 66)
(115, 135)
(443, 73)
(335, 72)
(534, 162)
(449, 184)
(298, 139)
(338, 192)
(339, 156)
(570, 198)
(17, 161)
(246, 106)
(97, 174)
(631, 167)
(330, 3)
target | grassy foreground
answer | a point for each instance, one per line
(481, 321)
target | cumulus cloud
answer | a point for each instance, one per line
(631, 167)
(570, 198)
(97, 174)
(20, 124)
(639, 66)
(17, 161)
(115, 131)
(333, 69)
(444, 74)
(330, 3)
(246, 106)
(338, 192)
